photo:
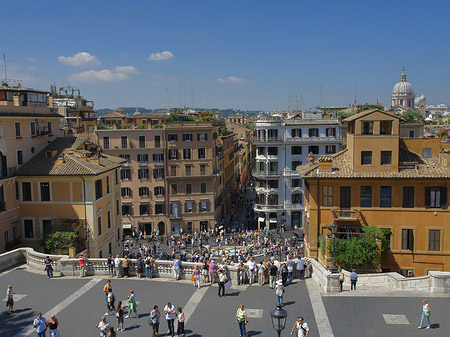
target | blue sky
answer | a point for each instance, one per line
(229, 54)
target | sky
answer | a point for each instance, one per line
(241, 54)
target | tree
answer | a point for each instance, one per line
(59, 242)
(413, 116)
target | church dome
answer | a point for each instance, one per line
(403, 87)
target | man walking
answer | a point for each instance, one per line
(40, 325)
(48, 267)
(169, 309)
(302, 328)
(273, 270)
(117, 266)
(301, 268)
(353, 279)
(82, 262)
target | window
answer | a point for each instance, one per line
(411, 134)
(99, 225)
(125, 156)
(143, 174)
(173, 171)
(330, 132)
(202, 137)
(296, 132)
(387, 235)
(201, 153)
(159, 209)
(157, 141)
(124, 142)
(273, 167)
(158, 190)
(144, 209)
(126, 209)
(314, 132)
(33, 129)
(107, 185)
(385, 196)
(330, 149)
(296, 163)
(296, 150)
(19, 157)
(189, 227)
(49, 128)
(272, 151)
(17, 190)
(171, 137)
(202, 187)
(202, 169)
(327, 196)
(188, 188)
(28, 228)
(407, 239)
(296, 198)
(158, 157)
(272, 184)
(125, 174)
(434, 240)
(106, 143)
(188, 170)
(173, 189)
(2, 200)
(116, 177)
(427, 152)
(366, 196)
(295, 182)
(272, 199)
(117, 206)
(26, 191)
(45, 192)
(408, 196)
(186, 153)
(158, 173)
(143, 191)
(386, 157)
(261, 151)
(366, 128)
(173, 154)
(17, 129)
(187, 137)
(109, 219)
(203, 206)
(313, 149)
(142, 158)
(188, 207)
(125, 192)
(436, 197)
(142, 142)
(98, 189)
(385, 127)
(366, 157)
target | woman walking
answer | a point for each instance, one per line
(222, 280)
(284, 273)
(139, 267)
(180, 327)
(176, 268)
(426, 311)
(132, 306)
(196, 274)
(154, 319)
(53, 326)
(10, 299)
(119, 316)
(279, 291)
(241, 318)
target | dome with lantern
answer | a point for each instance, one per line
(403, 93)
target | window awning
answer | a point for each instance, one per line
(261, 219)
(127, 226)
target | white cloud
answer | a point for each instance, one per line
(104, 75)
(81, 59)
(231, 79)
(160, 79)
(31, 59)
(127, 70)
(163, 56)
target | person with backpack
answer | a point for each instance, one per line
(301, 327)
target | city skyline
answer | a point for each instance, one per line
(252, 55)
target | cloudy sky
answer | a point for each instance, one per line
(251, 54)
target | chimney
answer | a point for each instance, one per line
(16, 100)
(311, 158)
(60, 159)
(95, 159)
(325, 164)
(50, 101)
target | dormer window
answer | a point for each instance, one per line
(386, 127)
(367, 128)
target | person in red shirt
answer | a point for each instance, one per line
(82, 261)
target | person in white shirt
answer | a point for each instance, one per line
(251, 270)
(103, 326)
(302, 328)
(117, 266)
(169, 309)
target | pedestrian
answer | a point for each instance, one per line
(284, 273)
(107, 287)
(119, 316)
(273, 270)
(426, 311)
(40, 325)
(222, 280)
(110, 264)
(48, 267)
(212, 271)
(290, 267)
(103, 327)
(302, 328)
(196, 275)
(251, 267)
(241, 318)
(154, 320)
(132, 306)
(139, 267)
(205, 271)
(180, 327)
(148, 266)
(53, 326)
(301, 268)
(241, 271)
(82, 262)
(353, 279)
(279, 291)
(111, 300)
(10, 299)
(126, 266)
(117, 266)
(341, 279)
(169, 309)
(261, 269)
(176, 268)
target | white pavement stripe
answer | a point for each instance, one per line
(323, 324)
(191, 305)
(62, 305)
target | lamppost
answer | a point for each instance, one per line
(87, 240)
(279, 316)
(334, 268)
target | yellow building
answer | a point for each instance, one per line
(383, 181)
(70, 185)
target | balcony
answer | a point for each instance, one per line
(256, 173)
(268, 208)
(143, 164)
(174, 216)
(267, 139)
(346, 214)
(158, 163)
(293, 207)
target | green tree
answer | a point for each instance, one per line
(59, 242)
(413, 116)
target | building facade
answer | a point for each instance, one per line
(403, 94)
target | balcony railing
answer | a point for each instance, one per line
(268, 208)
(307, 138)
(175, 215)
(346, 214)
(190, 174)
(265, 173)
(267, 139)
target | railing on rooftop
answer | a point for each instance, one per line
(346, 214)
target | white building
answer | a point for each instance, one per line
(402, 94)
(282, 145)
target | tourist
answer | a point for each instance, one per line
(169, 309)
(119, 316)
(341, 279)
(301, 327)
(139, 267)
(290, 267)
(53, 326)
(176, 268)
(284, 273)
(222, 280)
(261, 270)
(251, 265)
(241, 272)
(196, 275)
(126, 266)
(301, 268)
(132, 306)
(48, 267)
(10, 299)
(241, 318)
(106, 290)
(180, 327)
(353, 279)
(279, 291)
(111, 300)
(154, 320)
(82, 262)
(110, 264)
(205, 271)
(426, 311)
(117, 266)
(40, 325)
(212, 271)
(103, 326)
(273, 270)
(148, 266)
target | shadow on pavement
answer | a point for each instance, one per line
(288, 303)
(236, 293)
(435, 326)
(132, 327)
(253, 333)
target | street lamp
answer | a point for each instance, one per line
(334, 268)
(279, 316)
(87, 239)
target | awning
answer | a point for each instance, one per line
(127, 226)
(261, 219)
(273, 220)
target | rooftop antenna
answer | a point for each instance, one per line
(4, 63)
(302, 103)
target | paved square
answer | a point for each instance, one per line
(254, 313)
(17, 297)
(395, 319)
